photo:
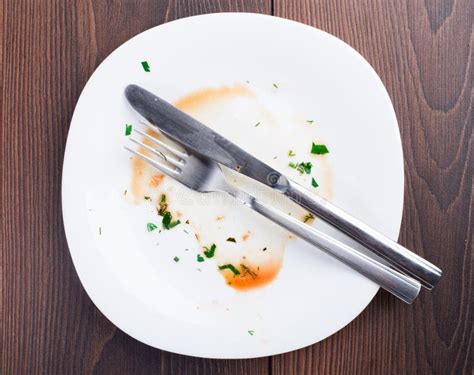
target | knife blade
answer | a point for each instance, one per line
(193, 134)
(196, 136)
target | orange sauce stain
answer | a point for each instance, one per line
(140, 170)
(252, 276)
(211, 94)
(179, 214)
(156, 180)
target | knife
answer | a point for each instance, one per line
(196, 136)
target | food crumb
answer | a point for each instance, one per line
(156, 179)
(246, 236)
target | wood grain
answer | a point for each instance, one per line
(423, 52)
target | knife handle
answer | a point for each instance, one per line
(397, 255)
(400, 285)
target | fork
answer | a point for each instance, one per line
(204, 175)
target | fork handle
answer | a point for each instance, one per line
(398, 256)
(396, 283)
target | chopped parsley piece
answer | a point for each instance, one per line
(291, 153)
(319, 149)
(151, 227)
(128, 129)
(125, 192)
(275, 85)
(275, 157)
(147, 198)
(163, 206)
(209, 252)
(163, 155)
(231, 239)
(146, 66)
(176, 259)
(308, 217)
(173, 224)
(230, 267)
(309, 121)
(187, 221)
(251, 332)
(200, 258)
(248, 271)
(303, 167)
(264, 249)
(257, 124)
(167, 223)
(314, 183)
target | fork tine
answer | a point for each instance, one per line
(163, 168)
(171, 160)
(166, 146)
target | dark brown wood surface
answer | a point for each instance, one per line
(422, 50)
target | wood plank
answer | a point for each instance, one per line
(423, 52)
(49, 50)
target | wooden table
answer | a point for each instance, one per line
(423, 52)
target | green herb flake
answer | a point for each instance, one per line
(147, 198)
(173, 224)
(309, 121)
(275, 85)
(176, 259)
(303, 167)
(251, 333)
(231, 239)
(166, 221)
(187, 221)
(163, 206)
(257, 124)
(125, 192)
(291, 153)
(163, 155)
(209, 252)
(146, 66)
(308, 217)
(314, 183)
(200, 258)
(128, 129)
(306, 167)
(319, 149)
(151, 227)
(230, 267)
(248, 271)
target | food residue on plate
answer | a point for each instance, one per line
(256, 256)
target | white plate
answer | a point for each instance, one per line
(130, 274)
